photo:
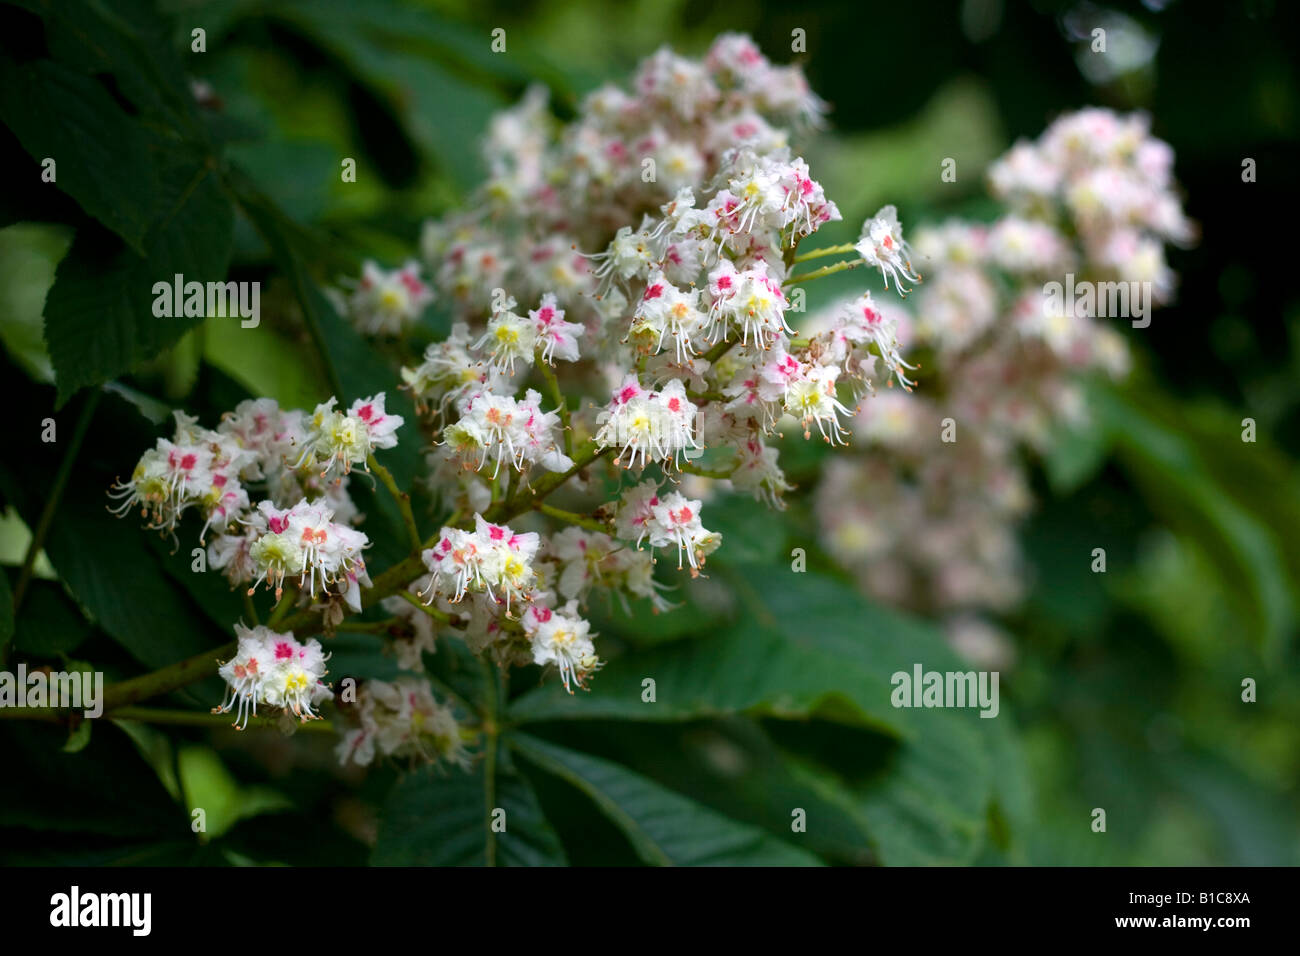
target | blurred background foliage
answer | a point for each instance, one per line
(1126, 689)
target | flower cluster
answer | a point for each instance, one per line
(670, 520)
(617, 294)
(656, 234)
(276, 671)
(301, 531)
(387, 302)
(401, 720)
(927, 516)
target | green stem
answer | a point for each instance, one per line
(167, 679)
(369, 627)
(402, 499)
(195, 718)
(250, 609)
(825, 251)
(490, 733)
(719, 350)
(571, 517)
(503, 511)
(281, 609)
(439, 616)
(824, 271)
(52, 504)
(719, 473)
(557, 396)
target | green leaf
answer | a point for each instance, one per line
(353, 367)
(663, 827)
(79, 738)
(809, 647)
(102, 157)
(1183, 484)
(105, 561)
(29, 254)
(6, 612)
(441, 111)
(444, 818)
(48, 623)
(104, 789)
(130, 41)
(99, 317)
(751, 532)
(819, 650)
(209, 786)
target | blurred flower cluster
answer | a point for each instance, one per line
(926, 515)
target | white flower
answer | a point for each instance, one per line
(305, 541)
(274, 670)
(882, 247)
(402, 719)
(648, 426)
(750, 300)
(556, 337)
(491, 559)
(563, 639)
(676, 521)
(340, 440)
(448, 371)
(665, 310)
(508, 430)
(384, 303)
(509, 338)
(670, 520)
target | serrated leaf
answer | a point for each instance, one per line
(1186, 492)
(102, 157)
(811, 647)
(104, 789)
(663, 827)
(99, 317)
(48, 623)
(209, 786)
(444, 818)
(129, 40)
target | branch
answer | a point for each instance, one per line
(52, 504)
(573, 518)
(824, 271)
(824, 251)
(557, 396)
(402, 499)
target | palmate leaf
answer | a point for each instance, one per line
(1208, 485)
(445, 818)
(130, 41)
(663, 827)
(440, 111)
(99, 317)
(102, 156)
(812, 648)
